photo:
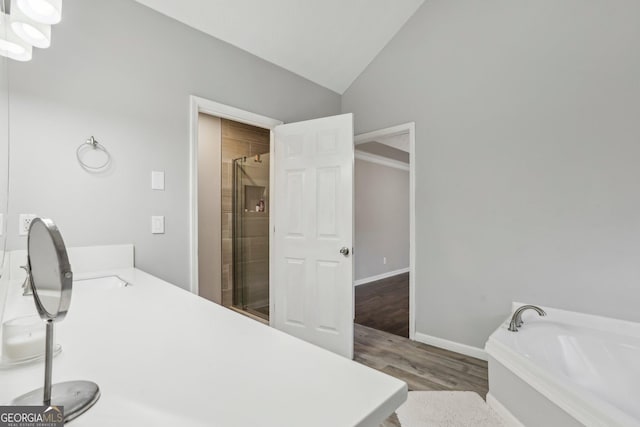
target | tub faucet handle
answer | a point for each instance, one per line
(516, 319)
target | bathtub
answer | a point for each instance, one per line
(566, 369)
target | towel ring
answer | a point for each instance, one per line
(96, 146)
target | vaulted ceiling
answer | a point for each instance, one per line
(329, 42)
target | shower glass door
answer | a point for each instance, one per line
(251, 234)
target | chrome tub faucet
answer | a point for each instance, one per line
(516, 319)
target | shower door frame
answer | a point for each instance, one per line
(239, 297)
(216, 109)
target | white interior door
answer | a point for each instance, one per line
(312, 265)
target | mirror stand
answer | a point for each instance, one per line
(76, 397)
(51, 282)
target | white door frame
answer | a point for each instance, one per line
(409, 128)
(202, 105)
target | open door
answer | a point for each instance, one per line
(312, 265)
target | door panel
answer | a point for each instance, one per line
(312, 281)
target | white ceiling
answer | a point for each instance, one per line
(330, 42)
(383, 150)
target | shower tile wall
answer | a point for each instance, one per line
(239, 140)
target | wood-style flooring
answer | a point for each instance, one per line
(384, 305)
(421, 366)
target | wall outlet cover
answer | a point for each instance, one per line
(24, 222)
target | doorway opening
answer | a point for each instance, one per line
(230, 206)
(384, 230)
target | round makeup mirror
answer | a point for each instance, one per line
(51, 276)
(51, 282)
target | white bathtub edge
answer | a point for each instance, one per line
(457, 347)
(579, 406)
(506, 415)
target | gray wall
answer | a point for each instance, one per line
(122, 72)
(527, 153)
(381, 219)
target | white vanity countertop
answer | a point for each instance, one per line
(165, 357)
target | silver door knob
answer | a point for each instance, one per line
(344, 251)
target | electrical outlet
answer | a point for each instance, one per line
(384, 260)
(24, 222)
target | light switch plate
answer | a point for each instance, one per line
(157, 225)
(157, 180)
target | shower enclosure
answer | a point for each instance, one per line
(251, 235)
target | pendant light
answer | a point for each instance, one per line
(35, 33)
(12, 46)
(43, 11)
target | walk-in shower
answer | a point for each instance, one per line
(251, 234)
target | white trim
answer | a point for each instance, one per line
(363, 138)
(457, 347)
(506, 415)
(201, 105)
(380, 160)
(272, 229)
(409, 128)
(380, 276)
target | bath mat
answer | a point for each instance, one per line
(447, 409)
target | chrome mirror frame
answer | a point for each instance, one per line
(64, 268)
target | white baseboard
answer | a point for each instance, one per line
(380, 276)
(457, 347)
(503, 412)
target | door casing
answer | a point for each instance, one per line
(202, 105)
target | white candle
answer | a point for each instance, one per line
(23, 338)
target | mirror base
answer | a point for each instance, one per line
(75, 396)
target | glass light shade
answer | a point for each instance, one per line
(43, 11)
(11, 45)
(32, 32)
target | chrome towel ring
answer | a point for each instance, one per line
(95, 145)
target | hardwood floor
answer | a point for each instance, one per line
(421, 366)
(384, 305)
